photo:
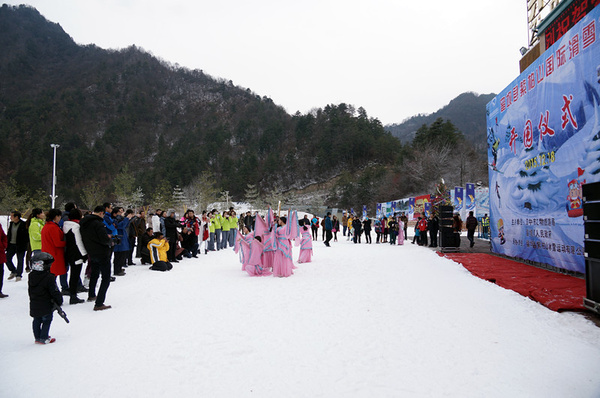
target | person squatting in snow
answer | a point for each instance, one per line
(159, 248)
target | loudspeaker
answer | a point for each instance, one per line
(448, 238)
(591, 241)
(446, 211)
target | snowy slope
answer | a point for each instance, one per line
(360, 321)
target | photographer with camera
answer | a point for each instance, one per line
(172, 226)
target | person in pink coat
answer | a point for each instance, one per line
(255, 266)
(53, 242)
(400, 231)
(306, 251)
(283, 264)
(242, 246)
(262, 228)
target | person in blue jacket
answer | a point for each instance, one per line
(122, 248)
(328, 227)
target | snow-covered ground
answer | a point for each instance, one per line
(359, 321)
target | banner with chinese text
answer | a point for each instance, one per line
(543, 144)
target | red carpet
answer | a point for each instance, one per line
(556, 291)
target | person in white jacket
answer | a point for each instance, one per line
(156, 224)
(75, 254)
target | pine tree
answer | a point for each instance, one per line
(124, 187)
(202, 190)
(163, 197)
(252, 196)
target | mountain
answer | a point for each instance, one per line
(466, 112)
(115, 110)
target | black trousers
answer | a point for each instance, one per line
(172, 247)
(75, 270)
(433, 237)
(328, 235)
(120, 261)
(11, 251)
(100, 267)
(132, 245)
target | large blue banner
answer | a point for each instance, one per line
(543, 143)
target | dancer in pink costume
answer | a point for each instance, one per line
(255, 266)
(242, 246)
(400, 232)
(283, 264)
(306, 251)
(261, 228)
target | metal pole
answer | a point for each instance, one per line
(53, 196)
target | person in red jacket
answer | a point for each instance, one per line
(3, 245)
(53, 242)
(422, 225)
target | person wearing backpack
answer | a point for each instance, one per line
(75, 253)
(314, 225)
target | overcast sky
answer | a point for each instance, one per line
(395, 58)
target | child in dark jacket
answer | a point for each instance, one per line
(43, 293)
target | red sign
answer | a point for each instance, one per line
(567, 19)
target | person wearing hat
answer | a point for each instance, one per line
(43, 293)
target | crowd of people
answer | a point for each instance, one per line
(394, 229)
(55, 245)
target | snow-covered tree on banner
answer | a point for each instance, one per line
(535, 187)
(591, 162)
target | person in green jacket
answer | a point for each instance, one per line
(36, 223)
(233, 227)
(225, 227)
(211, 232)
(217, 224)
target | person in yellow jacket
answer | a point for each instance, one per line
(350, 230)
(159, 246)
(485, 223)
